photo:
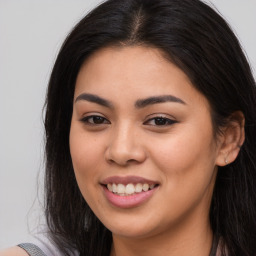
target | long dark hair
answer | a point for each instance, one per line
(199, 41)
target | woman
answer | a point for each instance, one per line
(150, 120)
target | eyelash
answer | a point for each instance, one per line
(163, 121)
(95, 119)
(99, 120)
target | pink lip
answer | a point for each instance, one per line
(127, 179)
(128, 201)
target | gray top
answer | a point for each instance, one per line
(32, 249)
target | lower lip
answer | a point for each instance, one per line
(128, 201)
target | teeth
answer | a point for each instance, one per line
(138, 188)
(145, 187)
(110, 187)
(120, 189)
(129, 189)
(114, 188)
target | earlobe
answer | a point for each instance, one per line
(231, 140)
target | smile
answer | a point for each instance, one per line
(129, 189)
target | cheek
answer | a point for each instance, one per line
(186, 157)
(187, 166)
(86, 154)
(181, 152)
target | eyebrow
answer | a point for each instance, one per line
(95, 99)
(141, 103)
(158, 99)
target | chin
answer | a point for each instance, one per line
(131, 233)
(130, 229)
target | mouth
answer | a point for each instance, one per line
(129, 189)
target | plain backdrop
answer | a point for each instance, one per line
(31, 33)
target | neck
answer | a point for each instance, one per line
(194, 240)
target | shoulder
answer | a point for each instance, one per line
(41, 242)
(13, 251)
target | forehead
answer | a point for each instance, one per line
(133, 61)
(134, 71)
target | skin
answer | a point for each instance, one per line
(14, 251)
(182, 156)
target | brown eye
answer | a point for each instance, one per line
(95, 120)
(98, 119)
(160, 121)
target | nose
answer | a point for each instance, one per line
(125, 147)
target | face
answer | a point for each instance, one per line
(142, 143)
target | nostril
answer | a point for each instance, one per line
(123, 155)
(122, 162)
(131, 160)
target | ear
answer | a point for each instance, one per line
(231, 139)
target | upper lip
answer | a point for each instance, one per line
(127, 180)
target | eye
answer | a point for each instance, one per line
(160, 121)
(95, 120)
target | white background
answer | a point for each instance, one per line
(31, 33)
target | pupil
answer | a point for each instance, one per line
(98, 120)
(160, 121)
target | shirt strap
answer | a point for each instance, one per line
(32, 249)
